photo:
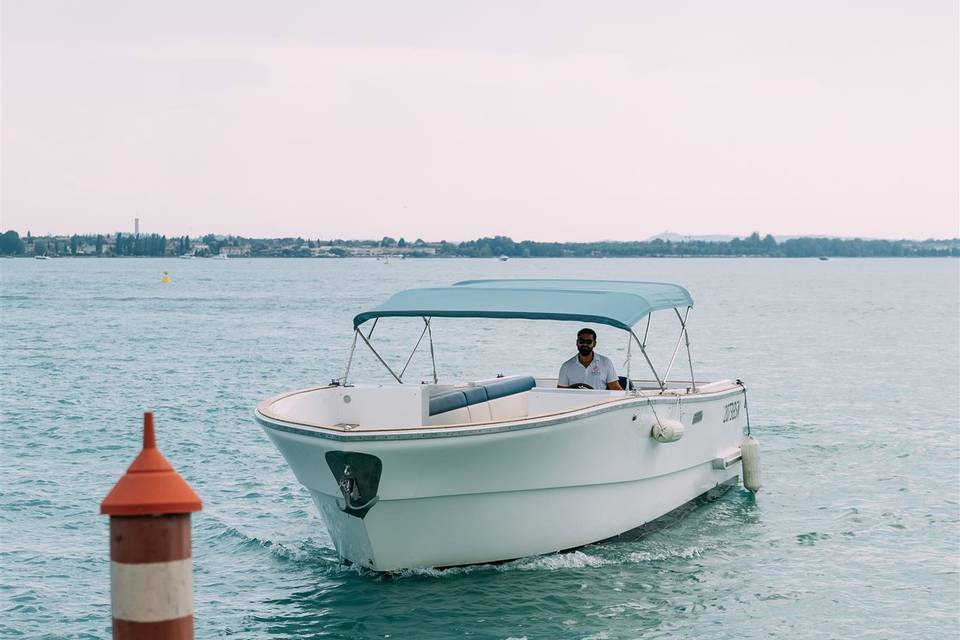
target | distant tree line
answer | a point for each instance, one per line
(140, 245)
(80, 244)
(753, 245)
(10, 243)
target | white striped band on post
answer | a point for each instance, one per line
(151, 576)
(152, 592)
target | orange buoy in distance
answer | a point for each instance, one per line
(151, 562)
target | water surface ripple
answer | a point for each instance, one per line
(853, 376)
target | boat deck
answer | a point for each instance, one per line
(372, 407)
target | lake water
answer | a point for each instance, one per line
(852, 367)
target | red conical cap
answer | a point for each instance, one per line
(150, 486)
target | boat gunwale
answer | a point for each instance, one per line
(271, 420)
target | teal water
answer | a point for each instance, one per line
(853, 373)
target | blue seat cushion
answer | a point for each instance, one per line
(475, 395)
(509, 386)
(447, 402)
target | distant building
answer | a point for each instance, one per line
(242, 250)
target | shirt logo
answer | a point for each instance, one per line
(595, 369)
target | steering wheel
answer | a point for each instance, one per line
(581, 385)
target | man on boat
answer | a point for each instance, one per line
(588, 370)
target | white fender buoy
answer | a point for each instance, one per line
(750, 463)
(667, 430)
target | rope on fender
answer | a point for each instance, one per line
(746, 407)
(655, 416)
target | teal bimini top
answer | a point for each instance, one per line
(616, 303)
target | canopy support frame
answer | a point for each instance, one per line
(353, 347)
(427, 330)
(415, 347)
(676, 349)
(649, 363)
(433, 360)
(370, 333)
(683, 338)
(379, 357)
(629, 356)
(686, 335)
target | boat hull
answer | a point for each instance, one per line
(462, 496)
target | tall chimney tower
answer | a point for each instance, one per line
(136, 226)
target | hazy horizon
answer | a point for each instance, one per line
(665, 235)
(451, 121)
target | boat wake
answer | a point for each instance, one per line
(588, 558)
(306, 550)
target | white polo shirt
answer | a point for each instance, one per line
(597, 374)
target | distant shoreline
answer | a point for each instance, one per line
(502, 247)
(398, 258)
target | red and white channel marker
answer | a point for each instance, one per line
(151, 563)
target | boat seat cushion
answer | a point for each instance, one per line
(447, 402)
(509, 386)
(475, 395)
(461, 398)
(457, 399)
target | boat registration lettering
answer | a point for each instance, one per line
(731, 411)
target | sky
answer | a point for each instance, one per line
(549, 121)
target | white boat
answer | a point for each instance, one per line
(450, 473)
(503, 258)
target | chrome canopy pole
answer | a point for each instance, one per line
(647, 358)
(645, 331)
(676, 349)
(432, 359)
(422, 333)
(375, 321)
(629, 344)
(693, 382)
(382, 361)
(353, 346)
